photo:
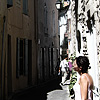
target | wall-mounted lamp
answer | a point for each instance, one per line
(58, 4)
(62, 5)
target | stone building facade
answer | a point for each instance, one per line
(85, 36)
(3, 31)
(48, 40)
(29, 44)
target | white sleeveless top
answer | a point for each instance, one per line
(78, 92)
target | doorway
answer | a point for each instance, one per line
(9, 67)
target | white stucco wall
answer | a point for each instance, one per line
(92, 44)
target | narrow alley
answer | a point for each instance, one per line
(36, 35)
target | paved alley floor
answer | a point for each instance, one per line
(59, 94)
(51, 91)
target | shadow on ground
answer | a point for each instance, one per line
(40, 92)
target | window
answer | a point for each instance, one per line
(25, 7)
(21, 57)
(78, 36)
(53, 21)
(9, 3)
(45, 19)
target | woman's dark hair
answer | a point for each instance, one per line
(83, 61)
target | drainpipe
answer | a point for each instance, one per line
(2, 57)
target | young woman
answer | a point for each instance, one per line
(85, 83)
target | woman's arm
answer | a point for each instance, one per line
(84, 87)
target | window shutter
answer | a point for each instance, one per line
(54, 60)
(18, 58)
(50, 60)
(26, 57)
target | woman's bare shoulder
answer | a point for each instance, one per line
(90, 80)
(83, 78)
